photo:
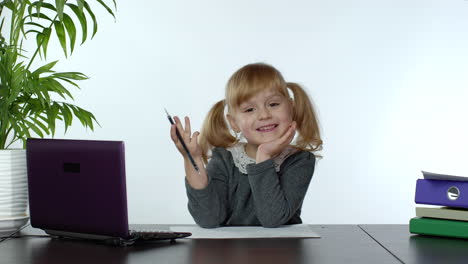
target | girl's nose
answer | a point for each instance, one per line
(264, 113)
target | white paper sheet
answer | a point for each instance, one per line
(445, 177)
(286, 231)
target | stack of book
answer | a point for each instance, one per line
(450, 215)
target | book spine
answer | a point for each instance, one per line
(445, 193)
(439, 227)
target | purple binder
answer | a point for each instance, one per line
(441, 192)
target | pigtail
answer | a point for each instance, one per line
(215, 131)
(306, 118)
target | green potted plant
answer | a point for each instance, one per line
(33, 99)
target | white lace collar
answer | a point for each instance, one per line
(241, 159)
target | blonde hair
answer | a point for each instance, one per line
(245, 83)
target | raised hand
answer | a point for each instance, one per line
(197, 180)
(272, 148)
(190, 140)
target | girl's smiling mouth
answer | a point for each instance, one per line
(267, 128)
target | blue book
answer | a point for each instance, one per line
(442, 192)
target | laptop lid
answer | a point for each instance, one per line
(77, 186)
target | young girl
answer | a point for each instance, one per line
(262, 181)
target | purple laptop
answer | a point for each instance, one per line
(77, 189)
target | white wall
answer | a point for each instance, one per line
(389, 79)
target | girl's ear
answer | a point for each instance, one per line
(232, 123)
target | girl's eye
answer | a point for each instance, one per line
(248, 110)
(274, 104)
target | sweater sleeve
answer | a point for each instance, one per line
(278, 196)
(208, 206)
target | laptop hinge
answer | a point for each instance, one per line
(74, 235)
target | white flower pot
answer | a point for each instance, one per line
(13, 188)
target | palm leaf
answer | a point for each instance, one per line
(80, 5)
(68, 81)
(82, 18)
(38, 5)
(39, 123)
(67, 115)
(33, 24)
(93, 17)
(77, 113)
(52, 116)
(107, 8)
(71, 29)
(71, 75)
(34, 127)
(60, 31)
(60, 4)
(46, 68)
(57, 87)
(32, 31)
(45, 41)
(38, 15)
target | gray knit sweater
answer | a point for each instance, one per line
(260, 197)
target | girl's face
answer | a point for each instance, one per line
(262, 118)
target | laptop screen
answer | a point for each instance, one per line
(77, 186)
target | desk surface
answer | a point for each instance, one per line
(338, 244)
(410, 248)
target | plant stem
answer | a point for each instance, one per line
(40, 45)
(4, 137)
(13, 141)
(2, 142)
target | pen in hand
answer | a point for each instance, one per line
(182, 143)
